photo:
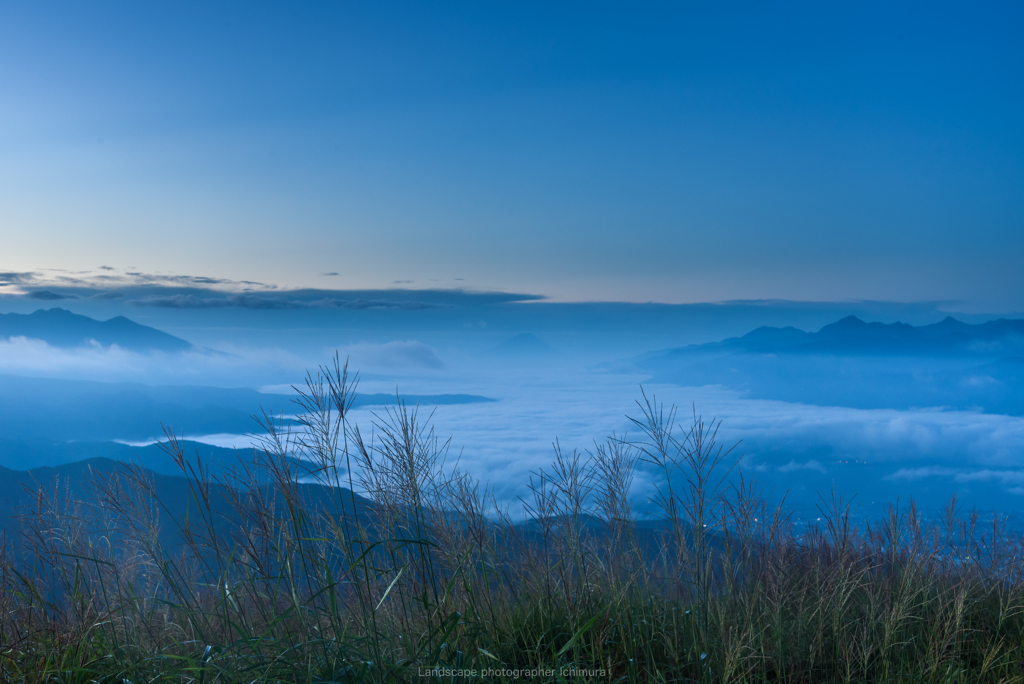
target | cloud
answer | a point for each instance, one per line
(959, 475)
(786, 446)
(392, 356)
(809, 465)
(248, 301)
(334, 303)
(16, 278)
(150, 278)
(188, 301)
(881, 435)
(231, 366)
(790, 445)
(24, 355)
(107, 277)
(171, 291)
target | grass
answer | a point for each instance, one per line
(425, 577)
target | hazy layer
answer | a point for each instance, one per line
(566, 372)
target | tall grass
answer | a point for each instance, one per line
(283, 573)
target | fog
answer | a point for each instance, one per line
(920, 425)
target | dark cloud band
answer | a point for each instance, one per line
(245, 301)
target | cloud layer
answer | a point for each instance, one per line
(202, 292)
(232, 364)
(796, 447)
(251, 301)
(879, 454)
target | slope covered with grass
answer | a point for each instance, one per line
(425, 577)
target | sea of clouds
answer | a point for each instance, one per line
(800, 448)
(793, 448)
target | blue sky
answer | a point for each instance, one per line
(674, 152)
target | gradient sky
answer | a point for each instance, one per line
(672, 152)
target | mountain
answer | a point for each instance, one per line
(79, 487)
(853, 337)
(949, 364)
(61, 328)
(27, 455)
(87, 495)
(522, 345)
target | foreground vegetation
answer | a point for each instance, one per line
(427, 579)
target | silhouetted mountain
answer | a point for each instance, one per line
(851, 363)
(522, 345)
(852, 336)
(61, 328)
(67, 487)
(29, 454)
(84, 493)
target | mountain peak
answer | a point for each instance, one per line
(851, 336)
(62, 328)
(846, 323)
(523, 344)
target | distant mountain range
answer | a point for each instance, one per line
(851, 363)
(853, 337)
(524, 345)
(61, 328)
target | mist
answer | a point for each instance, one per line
(502, 380)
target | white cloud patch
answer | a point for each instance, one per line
(880, 435)
(405, 355)
(229, 363)
(1004, 477)
(811, 464)
(26, 356)
(505, 441)
(261, 302)
(220, 439)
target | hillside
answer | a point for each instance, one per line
(62, 489)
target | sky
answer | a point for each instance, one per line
(665, 152)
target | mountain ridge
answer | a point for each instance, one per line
(853, 336)
(860, 365)
(62, 328)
